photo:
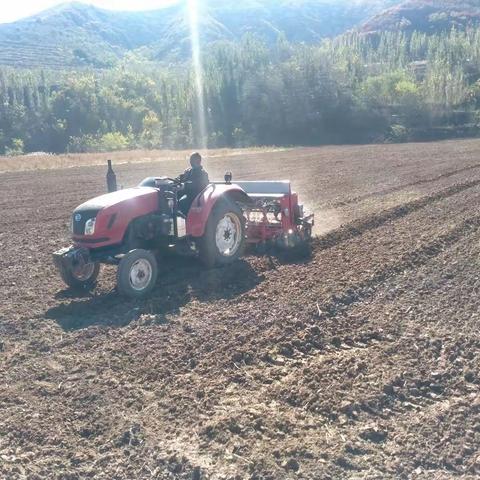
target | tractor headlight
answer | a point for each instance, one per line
(90, 226)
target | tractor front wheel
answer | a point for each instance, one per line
(137, 273)
(81, 276)
(224, 238)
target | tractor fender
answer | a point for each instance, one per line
(204, 203)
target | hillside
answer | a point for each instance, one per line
(298, 20)
(426, 16)
(76, 34)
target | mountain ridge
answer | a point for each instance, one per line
(75, 34)
(426, 15)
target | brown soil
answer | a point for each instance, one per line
(361, 361)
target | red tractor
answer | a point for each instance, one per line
(126, 227)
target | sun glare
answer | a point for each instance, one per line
(193, 13)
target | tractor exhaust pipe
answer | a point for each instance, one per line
(111, 178)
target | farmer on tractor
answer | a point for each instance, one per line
(130, 227)
(195, 180)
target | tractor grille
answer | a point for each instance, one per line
(79, 218)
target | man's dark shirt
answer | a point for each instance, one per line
(197, 179)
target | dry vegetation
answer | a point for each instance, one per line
(360, 362)
(44, 161)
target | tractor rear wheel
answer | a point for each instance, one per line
(137, 273)
(224, 238)
(82, 276)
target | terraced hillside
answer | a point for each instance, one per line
(76, 34)
(361, 361)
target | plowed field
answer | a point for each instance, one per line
(361, 361)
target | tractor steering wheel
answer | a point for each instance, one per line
(174, 180)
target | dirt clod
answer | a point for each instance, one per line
(292, 465)
(374, 434)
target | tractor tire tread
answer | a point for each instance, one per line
(209, 255)
(123, 273)
(75, 284)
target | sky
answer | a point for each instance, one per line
(15, 9)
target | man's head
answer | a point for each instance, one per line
(195, 159)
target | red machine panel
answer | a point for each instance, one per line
(202, 206)
(117, 210)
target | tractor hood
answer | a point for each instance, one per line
(129, 195)
(113, 213)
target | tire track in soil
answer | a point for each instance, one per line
(357, 293)
(371, 222)
(415, 259)
(398, 396)
(331, 346)
(409, 393)
(400, 400)
(399, 188)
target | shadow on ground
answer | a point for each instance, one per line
(180, 282)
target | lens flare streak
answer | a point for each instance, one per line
(198, 72)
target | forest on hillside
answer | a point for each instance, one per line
(394, 86)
